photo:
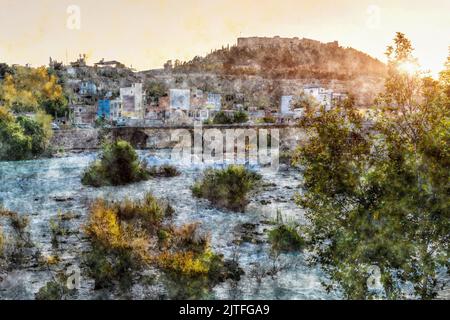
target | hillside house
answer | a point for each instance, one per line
(132, 99)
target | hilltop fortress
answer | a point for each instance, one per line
(279, 42)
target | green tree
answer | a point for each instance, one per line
(378, 196)
(23, 137)
(156, 90)
(14, 144)
(35, 131)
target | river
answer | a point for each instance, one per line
(41, 188)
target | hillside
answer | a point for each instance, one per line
(286, 58)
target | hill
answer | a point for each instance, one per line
(286, 58)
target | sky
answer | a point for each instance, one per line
(146, 33)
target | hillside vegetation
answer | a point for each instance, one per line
(308, 59)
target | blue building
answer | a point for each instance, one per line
(104, 109)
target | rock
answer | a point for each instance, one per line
(63, 198)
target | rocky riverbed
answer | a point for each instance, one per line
(46, 188)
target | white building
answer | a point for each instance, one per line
(214, 101)
(285, 106)
(323, 96)
(116, 109)
(179, 99)
(132, 99)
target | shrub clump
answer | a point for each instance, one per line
(191, 268)
(119, 241)
(55, 289)
(118, 165)
(227, 188)
(129, 235)
(164, 171)
(17, 247)
(285, 238)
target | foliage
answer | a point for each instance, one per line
(165, 170)
(268, 119)
(55, 289)
(377, 196)
(240, 117)
(190, 266)
(23, 137)
(156, 90)
(308, 59)
(223, 118)
(30, 89)
(227, 188)
(58, 228)
(117, 246)
(2, 243)
(118, 165)
(285, 238)
(444, 76)
(17, 244)
(127, 236)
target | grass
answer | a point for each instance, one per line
(227, 188)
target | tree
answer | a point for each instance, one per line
(444, 75)
(156, 90)
(377, 196)
(31, 89)
(14, 144)
(4, 69)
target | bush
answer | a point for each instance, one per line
(2, 243)
(17, 249)
(164, 171)
(240, 117)
(227, 188)
(53, 290)
(125, 236)
(286, 238)
(59, 227)
(118, 165)
(122, 235)
(268, 119)
(56, 289)
(223, 118)
(148, 211)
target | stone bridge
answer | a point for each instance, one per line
(161, 137)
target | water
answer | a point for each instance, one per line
(42, 187)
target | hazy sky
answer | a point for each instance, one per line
(146, 33)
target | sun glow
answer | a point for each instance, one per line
(408, 67)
